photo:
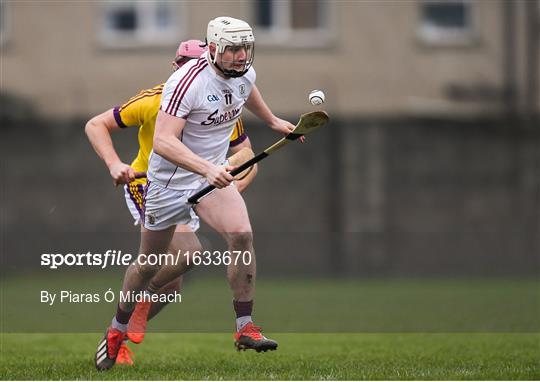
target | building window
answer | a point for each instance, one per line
(135, 23)
(4, 23)
(295, 23)
(446, 22)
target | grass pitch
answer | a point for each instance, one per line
(287, 305)
(304, 356)
(365, 329)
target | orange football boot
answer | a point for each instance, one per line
(108, 348)
(137, 322)
(124, 355)
(250, 337)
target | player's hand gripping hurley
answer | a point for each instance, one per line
(308, 122)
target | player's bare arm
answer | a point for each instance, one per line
(255, 103)
(167, 144)
(98, 130)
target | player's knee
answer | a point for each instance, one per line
(241, 240)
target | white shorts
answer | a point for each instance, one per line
(134, 194)
(164, 207)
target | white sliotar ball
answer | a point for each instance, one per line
(316, 97)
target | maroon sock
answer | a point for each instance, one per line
(122, 316)
(243, 308)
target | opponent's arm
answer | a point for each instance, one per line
(243, 183)
(166, 143)
(98, 130)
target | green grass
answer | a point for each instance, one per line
(288, 305)
(299, 357)
(366, 329)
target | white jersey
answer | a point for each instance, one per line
(211, 106)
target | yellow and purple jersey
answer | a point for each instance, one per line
(142, 111)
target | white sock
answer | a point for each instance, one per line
(122, 327)
(242, 321)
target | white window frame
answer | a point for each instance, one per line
(5, 31)
(147, 33)
(441, 36)
(282, 34)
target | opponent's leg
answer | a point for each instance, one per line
(183, 245)
(140, 272)
(174, 286)
(134, 195)
(225, 211)
(146, 310)
(136, 280)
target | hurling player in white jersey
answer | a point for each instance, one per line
(200, 105)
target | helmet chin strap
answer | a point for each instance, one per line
(225, 72)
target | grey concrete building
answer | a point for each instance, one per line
(404, 57)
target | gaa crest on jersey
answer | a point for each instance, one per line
(242, 89)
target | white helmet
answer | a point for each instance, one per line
(227, 31)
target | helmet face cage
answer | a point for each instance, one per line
(247, 62)
(227, 32)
